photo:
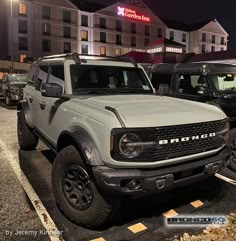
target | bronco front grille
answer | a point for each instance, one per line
(157, 152)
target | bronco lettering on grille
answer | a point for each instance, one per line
(185, 139)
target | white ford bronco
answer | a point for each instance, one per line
(113, 137)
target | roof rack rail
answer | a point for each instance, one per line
(78, 58)
(129, 59)
(111, 58)
(74, 56)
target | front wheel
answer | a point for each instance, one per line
(232, 164)
(76, 191)
(26, 138)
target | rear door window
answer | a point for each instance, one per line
(189, 83)
(56, 75)
(41, 76)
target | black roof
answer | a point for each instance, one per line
(194, 67)
(185, 27)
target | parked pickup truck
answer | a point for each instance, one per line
(113, 137)
(203, 82)
(12, 87)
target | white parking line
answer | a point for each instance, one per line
(226, 179)
(51, 229)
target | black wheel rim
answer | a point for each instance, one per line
(233, 148)
(77, 187)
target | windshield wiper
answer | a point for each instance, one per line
(93, 92)
(134, 91)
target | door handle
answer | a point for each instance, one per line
(30, 99)
(42, 105)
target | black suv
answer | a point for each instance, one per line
(204, 82)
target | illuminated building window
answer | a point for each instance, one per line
(84, 48)
(22, 57)
(22, 26)
(203, 37)
(133, 27)
(155, 50)
(103, 38)
(133, 41)
(117, 51)
(84, 35)
(103, 23)
(46, 29)
(159, 32)
(174, 50)
(103, 51)
(2, 74)
(118, 25)
(183, 37)
(22, 9)
(46, 12)
(84, 20)
(67, 47)
(172, 35)
(23, 43)
(46, 45)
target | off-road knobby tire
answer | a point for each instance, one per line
(232, 164)
(26, 138)
(101, 209)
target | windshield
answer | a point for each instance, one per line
(18, 78)
(224, 82)
(108, 79)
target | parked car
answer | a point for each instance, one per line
(204, 82)
(12, 87)
(113, 137)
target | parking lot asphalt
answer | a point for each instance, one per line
(138, 220)
(16, 211)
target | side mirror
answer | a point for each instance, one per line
(204, 91)
(51, 90)
(163, 89)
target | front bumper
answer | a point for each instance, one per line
(138, 182)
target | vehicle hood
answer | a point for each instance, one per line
(152, 110)
(17, 83)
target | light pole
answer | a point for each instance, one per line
(11, 14)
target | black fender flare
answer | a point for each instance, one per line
(24, 105)
(85, 144)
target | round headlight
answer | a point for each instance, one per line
(130, 146)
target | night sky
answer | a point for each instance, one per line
(192, 11)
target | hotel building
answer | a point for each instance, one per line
(34, 28)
